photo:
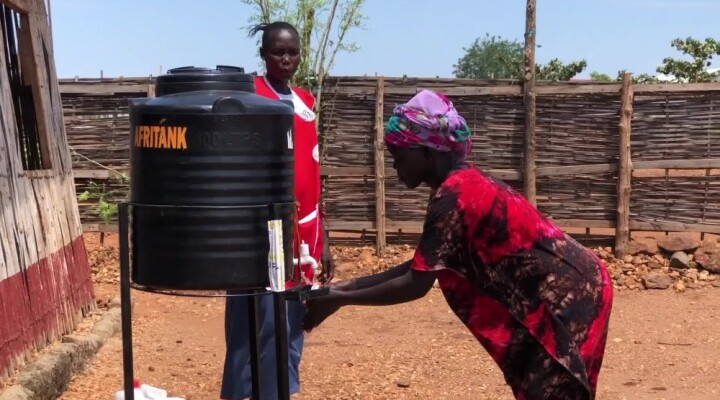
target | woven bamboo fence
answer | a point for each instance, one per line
(672, 131)
(98, 125)
(673, 134)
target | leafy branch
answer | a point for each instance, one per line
(107, 199)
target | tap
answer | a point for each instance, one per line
(306, 259)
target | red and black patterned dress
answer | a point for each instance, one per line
(535, 299)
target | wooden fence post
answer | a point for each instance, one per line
(622, 227)
(529, 185)
(380, 240)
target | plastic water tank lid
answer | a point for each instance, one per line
(195, 70)
(192, 74)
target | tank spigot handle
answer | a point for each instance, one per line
(306, 259)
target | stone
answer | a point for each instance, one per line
(621, 280)
(679, 260)
(628, 267)
(114, 302)
(48, 376)
(366, 257)
(647, 246)
(16, 392)
(638, 260)
(657, 281)
(345, 267)
(631, 283)
(109, 325)
(102, 303)
(709, 247)
(704, 276)
(628, 259)
(654, 265)
(679, 286)
(708, 262)
(691, 274)
(676, 243)
(403, 382)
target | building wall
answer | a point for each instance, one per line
(45, 279)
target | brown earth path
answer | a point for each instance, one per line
(663, 345)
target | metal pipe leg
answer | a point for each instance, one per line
(125, 305)
(253, 324)
(281, 345)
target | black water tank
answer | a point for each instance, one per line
(222, 156)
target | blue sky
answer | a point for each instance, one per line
(412, 37)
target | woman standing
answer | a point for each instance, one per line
(535, 299)
(281, 53)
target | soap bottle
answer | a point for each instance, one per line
(138, 393)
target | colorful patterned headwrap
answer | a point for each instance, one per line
(429, 119)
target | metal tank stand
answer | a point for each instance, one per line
(280, 316)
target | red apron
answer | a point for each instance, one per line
(307, 172)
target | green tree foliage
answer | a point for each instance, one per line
(600, 77)
(106, 199)
(493, 57)
(641, 78)
(693, 70)
(556, 70)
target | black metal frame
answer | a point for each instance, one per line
(279, 311)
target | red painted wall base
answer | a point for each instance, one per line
(38, 305)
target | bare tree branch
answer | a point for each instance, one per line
(320, 57)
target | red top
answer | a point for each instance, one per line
(307, 168)
(516, 280)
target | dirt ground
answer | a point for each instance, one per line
(663, 345)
